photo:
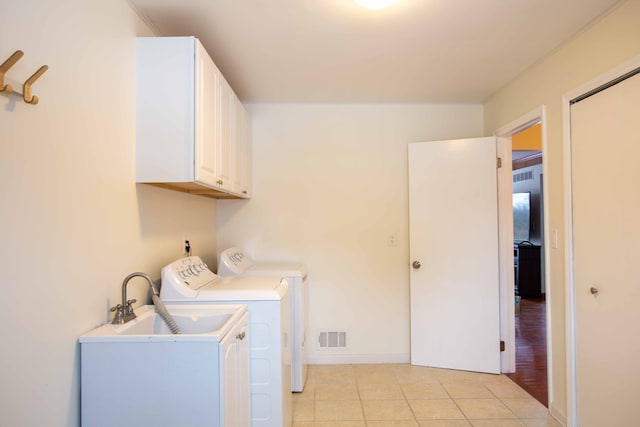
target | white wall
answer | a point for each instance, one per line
(74, 223)
(608, 43)
(330, 186)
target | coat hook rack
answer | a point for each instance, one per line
(26, 91)
(7, 88)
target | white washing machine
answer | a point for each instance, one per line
(234, 262)
(188, 280)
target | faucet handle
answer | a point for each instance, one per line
(119, 317)
(128, 310)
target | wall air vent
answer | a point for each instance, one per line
(522, 176)
(332, 340)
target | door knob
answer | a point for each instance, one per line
(416, 265)
(594, 291)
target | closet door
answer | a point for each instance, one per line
(605, 150)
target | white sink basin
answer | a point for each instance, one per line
(197, 322)
(140, 374)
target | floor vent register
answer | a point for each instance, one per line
(332, 340)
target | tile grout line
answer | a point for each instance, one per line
(406, 399)
(454, 401)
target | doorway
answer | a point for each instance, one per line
(538, 313)
(507, 358)
(528, 249)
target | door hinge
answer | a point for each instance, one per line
(499, 162)
(501, 345)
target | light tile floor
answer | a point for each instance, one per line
(399, 395)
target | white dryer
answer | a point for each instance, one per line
(234, 262)
(188, 280)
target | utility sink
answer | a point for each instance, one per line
(140, 374)
(197, 322)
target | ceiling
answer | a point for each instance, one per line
(333, 51)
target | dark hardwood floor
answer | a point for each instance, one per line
(531, 349)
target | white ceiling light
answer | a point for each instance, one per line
(375, 4)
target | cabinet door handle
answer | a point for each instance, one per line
(241, 335)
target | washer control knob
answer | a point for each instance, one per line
(193, 270)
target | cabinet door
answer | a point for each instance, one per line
(234, 376)
(247, 127)
(242, 151)
(228, 393)
(207, 116)
(224, 143)
(243, 386)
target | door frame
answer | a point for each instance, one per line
(505, 216)
(567, 98)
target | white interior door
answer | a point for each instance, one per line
(605, 148)
(453, 220)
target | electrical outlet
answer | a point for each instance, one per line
(186, 246)
(392, 239)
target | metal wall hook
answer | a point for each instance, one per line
(26, 92)
(7, 88)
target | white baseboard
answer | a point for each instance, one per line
(348, 359)
(557, 415)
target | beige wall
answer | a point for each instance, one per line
(605, 45)
(74, 223)
(330, 186)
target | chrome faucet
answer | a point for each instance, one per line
(124, 312)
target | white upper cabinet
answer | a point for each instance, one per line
(243, 155)
(207, 170)
(225, 142)
(187, 117)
